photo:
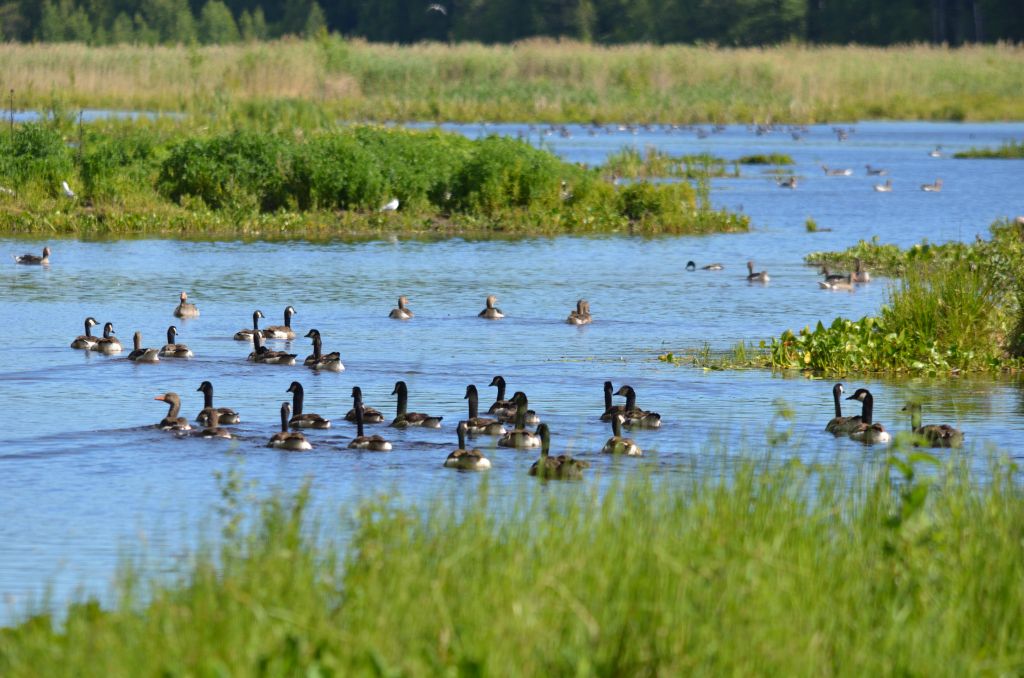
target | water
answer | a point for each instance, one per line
(84, 477)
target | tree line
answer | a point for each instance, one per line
(723, 22)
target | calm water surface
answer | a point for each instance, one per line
(84, 476)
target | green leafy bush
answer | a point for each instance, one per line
(35, 153)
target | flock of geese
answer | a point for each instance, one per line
(791, 181)
(863, 428)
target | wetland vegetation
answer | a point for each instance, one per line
(1011, 150)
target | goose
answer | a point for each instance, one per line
(490, 312)
(476, 424)
(246, 335)
(211, 430)
(581, 316)
(843, 283)
(530, 417)
(405, 419)
(500, 407)
(691, 265)
(328, 362)
(832, 277)
(562, 467)
(261, 354)
(33, 260)
(86, 341)
(225, 415)
(935, 152)
(185, 309)
(932, 188)
(935, 435)
(374, 443)
(609, 409)
(172, 422)
(712, 267)
(635, 417)
(884, 188)
(876, 171)
(519, 437)
(285, 439)
(840, 425)
(281, 331)
(619, 445)
(173, 350)
(760, 276)
(108, 344)
(401, 313)
(304, 419)
(788, 183)
(370, 414)
(836, 172)
(142, 355)
(860, 274)
(867, 431)
(464, 459)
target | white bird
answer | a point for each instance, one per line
(6, 191)
(437, 8)
(391, 206)
(67, 189)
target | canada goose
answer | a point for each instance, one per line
(172, 422)
(281, 331)
(405, 419)
(322, 362)
(173, 350)
(691, 266)
(464, 459)
(401, 313)
(860, 274)
(530, 418)
(836, 172)
(788, 183)
(476, 424)
(246, 335)
(108, 344)
(225, 415)
(932, 188)
(832, 277)
(562, 467)
(142, 355)
(867, 431)
(619, 445)
(211, 430)
(876, 171)
(884, 188)
(185, 309)
(86, 341)
(840, 425)
(370, 415)
(635, 417)
(519, 437)
(936, 435)
(581, 316)
(500, 407)
(843, 283)
(33, 260)
(374, 443)
(760, 276)
(609, 409)
(285, 439)
(261, 354)
(490, 312)
(304, 419)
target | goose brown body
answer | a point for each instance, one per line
(86, 341)
(225, 415)
(374, 443)
(285, 439)
(172, 349)
(403, 418)
(281, 331)
(562, 467)
(466, 459)
(140, 354)
(301, 419)
(172, 422)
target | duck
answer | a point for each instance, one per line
(500, 407)
(225, 415)
(374, 443)
(86, 342)
(934, 435)
(844, 283)
(401, 313)
(173, 350)
(619, 445)
(211, 429)
(288, 440)
(788, 183)
(836, 172)
(609, 409)
(319, 361)
(143, 355)
(370, 414)
(884, 188)
(519, 437)
(185, 309)
(464, 459)
(476, 424)
(108, 344)
(247, 335)
(261, 354)
(405, 419)
(876, 171)
(562, 467)
(281, 331)
(581, 316)
(635, 417)
(491, 312)
(530, 418)
(760, 276)
(304, 419)
(933, 187)
(860, 274)
(867, 431)
(840, 425)
(172, 422)
(33, 260)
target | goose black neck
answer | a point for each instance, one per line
(358, 407)
(88, 328)
(288, 317)
(107, 330)
(867, 409)
(284, 418)
(616, 426)
(170, 334)
(297, 397)
(835, 397)
(207, 397)
(630, 400)
(461, 431)
(545, 443)
(255, 321)
(521, 408)
(317, 347)
(501, 389)
(137, 340)
(607, 396)
(403, 398)
(474, 403)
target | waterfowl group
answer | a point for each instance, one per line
(844, 281)
(932, 435)
(633, 416)
(864, 429)
(519, 437)
(262, 354)
(476, 424)
(934, 187)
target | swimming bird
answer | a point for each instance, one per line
(285, 439)
(185, 308)
(304, 419)
(562, 467)
(876, 171)
(246, 335)
(390, 205)
(836, 172)
(634, 416)
(935, 435)
(405, 419)
(211, 429)
(172, 349)
(86, 341)
(401, 313)
(519, 437)
(832, 277)
(374, 443)
(142, 355)
(788, 183)
(320, 361)
(465, 459)
(512, 412)
(691, 265)
(760, 276)
(262, 354)
(490, 312)
(581, 316)
(370, 415)
(619, 445)
(281, 331)
(841, 283)
(68, 193)
(225, 415)
(500, 407)
(860, 274)
(867, 431)
(476, 424)
(33, 260)
(609, 409)
(932, 188)
(712, 267)
(935, 152)
(840, 425)
(108, 344)
(172, 422)
(884, 188)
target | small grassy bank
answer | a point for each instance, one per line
(1011, 150)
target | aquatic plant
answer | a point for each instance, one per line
(766, 159)
(1009, 150)
(630, 163)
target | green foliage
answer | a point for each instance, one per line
(888, 259)
(654, 163)
(505, 173)
(668, 202)
(36, 154)
(766, 159)
(811, 225)
(216, 24)
(1010, 150)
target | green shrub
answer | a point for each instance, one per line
(668, 203)
(36, 154)
(766, 159)
(503, 173)
(334, 171)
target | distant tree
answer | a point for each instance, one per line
(316, 22)
(216, 25)
(122, 30)
(144, 34)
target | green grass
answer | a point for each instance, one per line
(1010, 150)
(630, 163)
(766, 159)
(905, 569)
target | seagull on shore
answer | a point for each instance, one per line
(391, 206)
(437, 8)
(68, 193)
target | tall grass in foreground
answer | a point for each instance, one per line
(791, 571)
